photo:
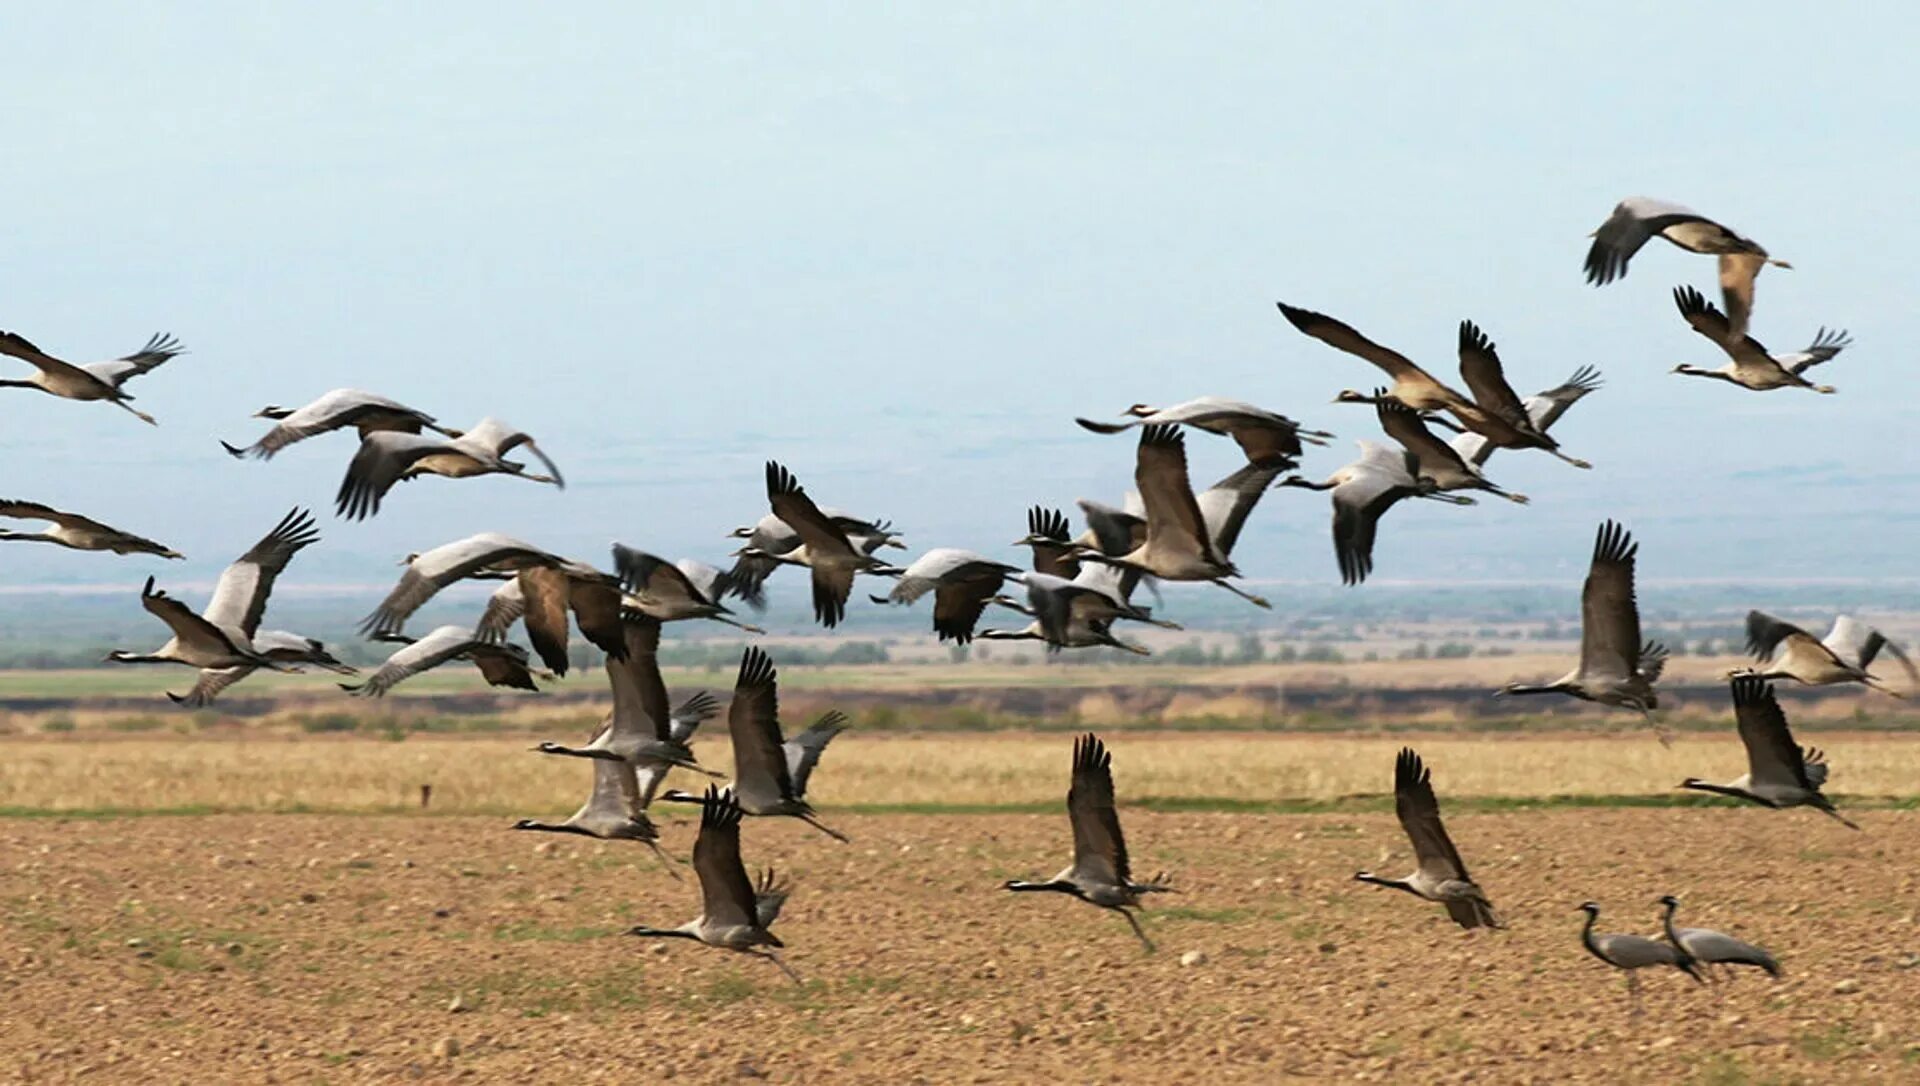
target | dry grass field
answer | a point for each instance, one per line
(958, 772)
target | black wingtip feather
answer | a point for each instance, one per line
(1303, 319)
(718, 809)
(1751, 690)
(1409, 771)
(756, 668)
(1613, 543)
(1047, 523)
(1162, 435)
(828, 608)
(1089, 753)
(1690, 301)
(1384, 405)
(1473, 339)
(780, 480)
(701, 705)
(1586, 379)
(1355, 564)
(296, 529)
(1760, 634)
(1602, 265)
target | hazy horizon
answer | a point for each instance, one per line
(900, 250)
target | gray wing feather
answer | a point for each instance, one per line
(803, 751)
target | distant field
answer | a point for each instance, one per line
(1477, 672)
(1480, 672)
(932, 772)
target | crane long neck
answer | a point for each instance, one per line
(1699, 371)
(663, 933)
(1060, 886)
(1586, 936)
(1718, 789)
(1028, 634)
(553, 827)
(1544, 688)
(1379, 880)
(1308, 484)
(1666, 924)
(575, 752)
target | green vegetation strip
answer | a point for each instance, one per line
(1160, 804)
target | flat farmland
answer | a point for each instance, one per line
(317, 926)
(336, 948)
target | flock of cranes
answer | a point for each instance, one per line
(1077, 589)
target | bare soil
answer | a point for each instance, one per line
(296, 948)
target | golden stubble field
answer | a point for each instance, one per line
(502, 776)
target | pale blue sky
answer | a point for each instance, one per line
(900, 247)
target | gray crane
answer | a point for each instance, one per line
(672, 591)
(1188, 538)
(1753, 367)
(1269, 440)
(770, 775)
(734, 914)
(544, 596)
(962, 583)
(612, 812)
(640, 729)
(549, 589)
(1616, 667)
(90, 381)
(1075, 614)
(1363, 491)
(343, 407)
(1638, 219)
(825, 548)
(288, 648)
(1632, 953)
(388, 456)
(500, 664)
(75, 532)
(1435, 459)
(1780, 772)
(1786, 651)
(771, 537)
(1439, 875)
(1543, 408)
(695, 710)
(1100, 873)
(1708, 947)
(222, 636)
(1494, 412)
